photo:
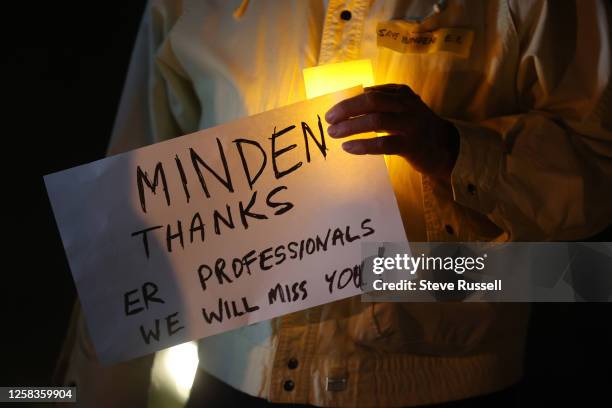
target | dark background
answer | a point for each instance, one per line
(63, 68)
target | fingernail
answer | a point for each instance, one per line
(350, 147)
(329, 116)
(331, 130)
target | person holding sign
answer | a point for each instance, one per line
(497, 121)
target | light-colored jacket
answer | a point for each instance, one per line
(532, 104)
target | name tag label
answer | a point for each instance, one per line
(404, 37)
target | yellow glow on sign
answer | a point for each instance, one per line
(330, 78)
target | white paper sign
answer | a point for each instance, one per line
(219, 229)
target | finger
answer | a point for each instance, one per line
(365, 103)
(390, 88)
(377, 145)
(372, 122)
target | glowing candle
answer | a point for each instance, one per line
(330, 78)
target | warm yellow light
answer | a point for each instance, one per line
(181, 363)
(330, 78)
(172, 376)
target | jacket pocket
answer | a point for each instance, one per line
(428, 328)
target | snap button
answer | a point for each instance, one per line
(289, 385)
(471, 189)
(335, 384)
(292, 363)
(346, 15)
(449, 229)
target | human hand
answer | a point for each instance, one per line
(415, 132)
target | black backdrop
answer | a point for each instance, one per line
(63, 66)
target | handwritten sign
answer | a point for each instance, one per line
(219, 229)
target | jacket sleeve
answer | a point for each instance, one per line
(158, 100)
(546, 173)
